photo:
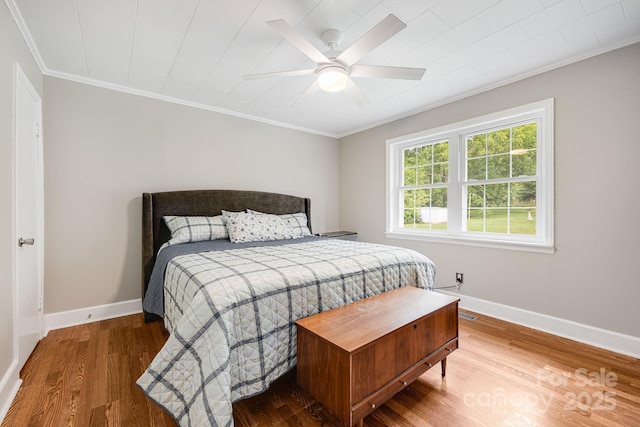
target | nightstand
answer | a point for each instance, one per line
(344, 235)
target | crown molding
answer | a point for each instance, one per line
(160, 97)
(26, 35)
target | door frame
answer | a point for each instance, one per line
(21, 79)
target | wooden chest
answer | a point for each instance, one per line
(354, 358)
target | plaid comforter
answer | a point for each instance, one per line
(231, 316)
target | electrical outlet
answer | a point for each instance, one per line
(459, 280)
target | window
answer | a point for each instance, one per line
(486, 181)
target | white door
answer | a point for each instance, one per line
(28, 217)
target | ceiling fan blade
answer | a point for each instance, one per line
(296, 39)
(383, 72)
(280, 74)
(355, 93)
(379, 34)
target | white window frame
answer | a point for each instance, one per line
(543, 113)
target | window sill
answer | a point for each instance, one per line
(471, 241)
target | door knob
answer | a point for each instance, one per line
(22, 241)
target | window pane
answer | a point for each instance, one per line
(498, 166)
(438, 219)
(498, 142)
(475, 220)
(475, 196)
(523, 194)
(497, 212)
(441, 152)
(422, 198)
(523, 150)
(439, 197)
(440, 173)
(424, 175)
(523, 208)
(496, 220)
(410, 176)
(523, 221)
(497, 195)
(475, 208)
(409, 157)
(477, 169)
(409, 199)
(425, 155)
(524, 137)
(439, 210)
(524, 164)
(409, 218)
(476, 145)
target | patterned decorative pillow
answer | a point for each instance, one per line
(186, 229)
(248, 227)
(297, 221)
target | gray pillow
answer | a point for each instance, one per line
(186, 229)
(249, 227)
(297, 222)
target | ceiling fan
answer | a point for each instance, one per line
(335, 67)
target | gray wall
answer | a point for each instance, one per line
(12, 49)
(103, 149)
(591, 279)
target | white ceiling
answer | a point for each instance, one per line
(195, 51)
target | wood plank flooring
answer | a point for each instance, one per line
(502, 374)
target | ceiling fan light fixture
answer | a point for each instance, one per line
(332, 79)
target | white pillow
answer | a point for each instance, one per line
(248, 227)
(297, 222)
(195, 228)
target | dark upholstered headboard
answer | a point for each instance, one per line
(203, 203)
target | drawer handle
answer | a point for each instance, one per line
(403, 382)
(449, 350)
(373, 406)
(428, 364)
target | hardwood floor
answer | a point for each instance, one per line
(502, 374)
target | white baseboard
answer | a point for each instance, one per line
(602, 338)
(81, 316)
(9, 385)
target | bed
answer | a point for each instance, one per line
(230, 308)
